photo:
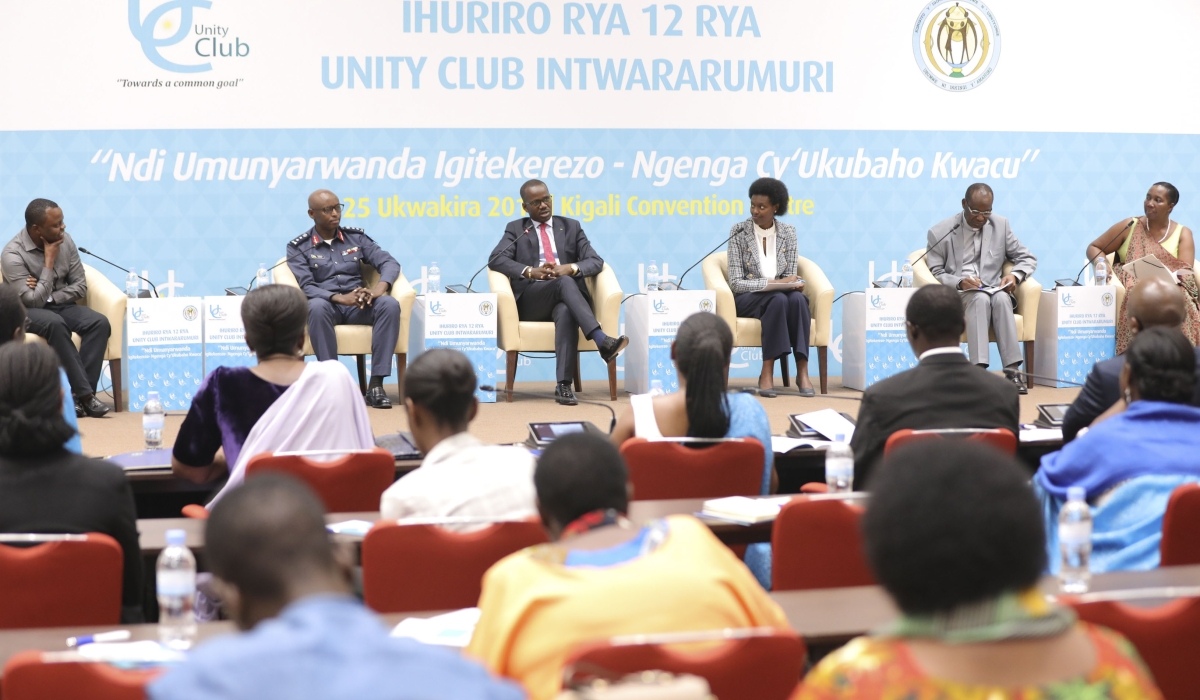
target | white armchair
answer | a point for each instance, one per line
(1029, 293)
(356, 340)
(517, 336)
(747, 332)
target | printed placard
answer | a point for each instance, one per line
(164, 350)
(224, 334)
(887, 348)
(463, 322)
(651, 321)
(1087, 330)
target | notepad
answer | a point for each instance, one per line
(829, 423)
(357, 528)
(453, 629)
(744, 510)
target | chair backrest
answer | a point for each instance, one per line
(409, 568)
(665, 469)
(1000, 438)
(1181, 528)
(1166, 637)
(818, 544)
(73, 581)
(353, 482)
(28, 677)
(765, 665)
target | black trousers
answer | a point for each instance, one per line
(786, 321)
(565, 301)
(55, 323)
(383, 316)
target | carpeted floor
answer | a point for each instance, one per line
(503, 423)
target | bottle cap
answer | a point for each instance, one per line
(1076, 493)
(176, 538)
(152, 395)
(840, 437)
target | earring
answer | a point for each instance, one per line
(1128, 396)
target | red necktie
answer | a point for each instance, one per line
(547, 251)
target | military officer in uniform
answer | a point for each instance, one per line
(325, 260)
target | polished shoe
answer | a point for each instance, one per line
(611, 347)
(376, 398)
(564, 395)
(1015, 378)
(807, 392)
(767, 393)
(79, 412)
(92, 407)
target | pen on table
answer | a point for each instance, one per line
(115, 636)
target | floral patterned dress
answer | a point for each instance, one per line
(878, 668)
(1142, 244)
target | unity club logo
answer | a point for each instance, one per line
(956, 43)
(174, 41)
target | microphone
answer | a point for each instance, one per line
(1011, 372)
(936, 243)
(611, 426)
(492, 257)
(1092, 260)
(679, 283)
(85, 251)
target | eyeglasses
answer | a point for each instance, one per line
(328, 211)
(543, 202)
(26, 323)
(975, 212)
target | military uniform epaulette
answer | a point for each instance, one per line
(298, 239)
(359, 231)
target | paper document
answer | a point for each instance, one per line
(1040, 434)
(829, 423)
(357, 528)
(1150, 267)
(453, 629)
(988, 290)
(777, 286)
(143, 652)
(782, 443)
(744, 510)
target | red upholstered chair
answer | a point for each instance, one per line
(1167, 638)
(1000, 438)
(755, 664)
(1181, 528)
(817, 544)
(353, 482)
(663, 469)
(408, 568)
(28, 677)
(64, 580)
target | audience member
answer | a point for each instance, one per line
(1133, 457)
(284, 584)
(603, 576)
(12, 327)
(705, 408)
(460, 476)
(1151, 303)
(945, 390)
(954, 536)
(45, 488)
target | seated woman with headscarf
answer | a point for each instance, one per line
(1131, 461)
(954, 536)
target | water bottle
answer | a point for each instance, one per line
(263, 277)
(906, 275)
(132, 284)
(1075, 542)
(839, 466)
(433, 283)
(176, 580)
(153, 420)
(656, 388)
(1101, 271)
(652, 277)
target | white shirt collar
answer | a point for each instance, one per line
(762, 233)
(947, 350)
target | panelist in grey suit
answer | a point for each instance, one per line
(969, 259)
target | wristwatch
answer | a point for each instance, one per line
(574, 269)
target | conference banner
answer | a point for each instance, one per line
(164, 351)
(183, 137)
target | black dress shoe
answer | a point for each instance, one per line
(92, 407)
(79, 412)
(1015, 378)
(611, 347)
(376, 398)
(564, 395)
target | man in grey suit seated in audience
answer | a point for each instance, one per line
(967, 252)
(304, 635)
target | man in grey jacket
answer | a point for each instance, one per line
(967, 252)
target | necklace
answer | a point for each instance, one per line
(1166, 233)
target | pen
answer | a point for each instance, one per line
(115, 636)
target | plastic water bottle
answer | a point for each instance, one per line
(153, 420)
(1075, 542)
(656, 388)
(906, 275)
(176, 579)
(652, 277)
(263, 277)
(132, 284)
(433, 283)
(1101, 271)
(839, 466)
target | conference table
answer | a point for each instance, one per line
(824, 618)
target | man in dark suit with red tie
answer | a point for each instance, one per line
(547, 258)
